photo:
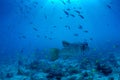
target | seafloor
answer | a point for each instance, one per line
(85, 67)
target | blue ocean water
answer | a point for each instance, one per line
(33, 27)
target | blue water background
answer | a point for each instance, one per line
(29, 26)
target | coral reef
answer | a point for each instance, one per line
(86, 67)
(104, 68)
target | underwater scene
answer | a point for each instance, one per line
(59, 40)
